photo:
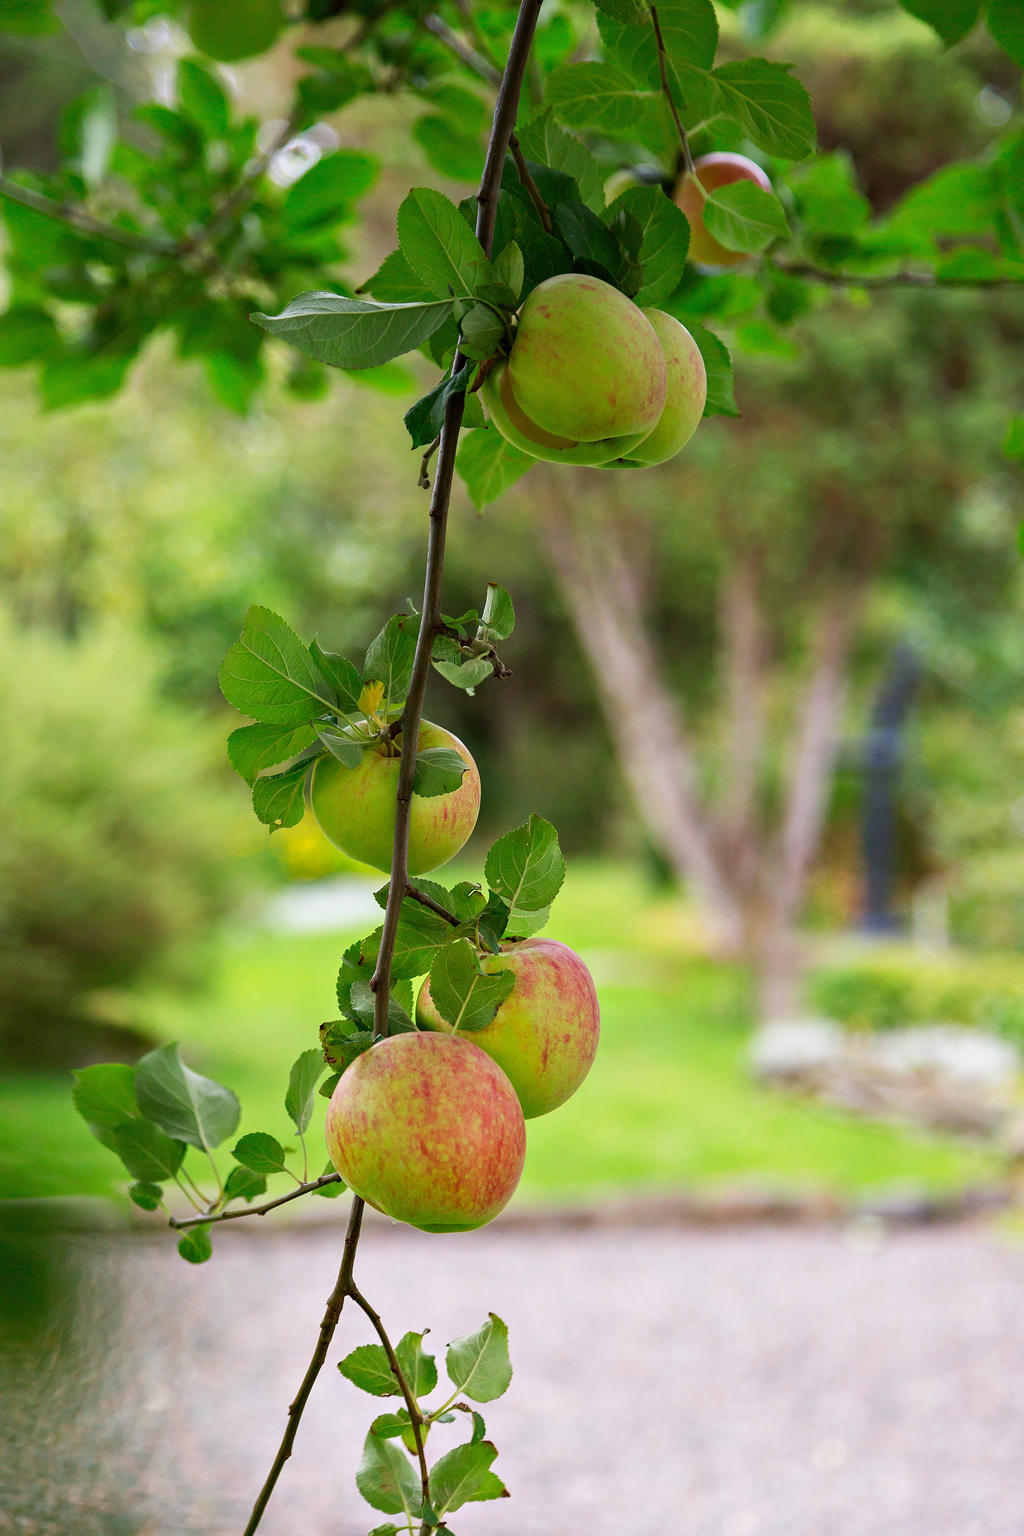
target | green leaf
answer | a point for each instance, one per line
(771, 107)
(146, 1196)
(368, 1369)
(202, 98)
(463, 994)
(666, 240)
(243, 1184)
(340, 745)
(951, 19)
(521, 924)
(386, 1478)
(596, 96)
(510, 269)
(306, 1072)
(26, 333)
(498, 619)
(633, 11)
(395, 282)
(277, 797)
(414, 950)
(183, 1103)
(146, 1151)
(489, 465)
(744, 217)
(827, 196)
(196, 1245)
(425, 419)
(252, 748)
(384, 1530)
(439, 771)
(342, 1045)
(721, 400)
(354, 333)
(525, 867)
(1006, 23)
(388, 1426)
(457, 1475)
(27, 18)
(415, 915)
(1013, 442)
(259, 1152)
(363, 1003)
(450, 150)
(439, 245)
(390, 657)
(342, 676)
(481, 332)
(542, 139)
(418, 1368)
(490, 1486)
(586, 235)
(104, 1095)
(479, 1365)
(690, 32)
(270, 675)
(466, 672)
(326, 191)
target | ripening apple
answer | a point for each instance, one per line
(544, 1035)
(428, 1130)
(686, 393)
(715, 170)
(355, 807)
(517, 428)
(585, 363)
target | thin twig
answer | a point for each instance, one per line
(502, 128)
(256, 1210)
(78, 218)
(543, 212)
(462, 50)
(666, 89)
(411, 1404)
(433, 906)
(335, 1302)
(901, 279)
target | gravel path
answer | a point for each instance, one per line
(672, 1383)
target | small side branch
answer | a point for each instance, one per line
(433, 906)
(256, 1210)
(78, 218)
(902, 279)
(684, 142)
(543, 212)
(411, 1404)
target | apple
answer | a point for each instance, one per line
(585, 362)
(686, 394)
(715, 170)
(428, 1129)
(234, 29)
(518, 429)
(544, 1036)
(355, 807)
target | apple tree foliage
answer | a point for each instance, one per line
(174, 212)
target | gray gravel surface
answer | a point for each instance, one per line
(675, 1383)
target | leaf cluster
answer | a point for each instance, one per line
(455, 940)
(150, 1114)
(478, 1368)
(306, 702)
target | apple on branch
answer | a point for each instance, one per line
(428, 1129)
(355, 807)
(715, 170)
(545, 1033)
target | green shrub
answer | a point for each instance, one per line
(986, 902)
(113, 855)
(893, 988)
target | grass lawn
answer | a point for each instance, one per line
(668, 1102)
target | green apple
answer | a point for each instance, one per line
(585, 363)
(544, 1036)
(686, 394)
(234, 29)
(428, 1130)
(715, 170)
(356, 806)
(517, 428)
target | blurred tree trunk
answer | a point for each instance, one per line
(749, 877)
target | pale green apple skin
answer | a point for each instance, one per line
(715, 170)
(428, 1129)
(545, 1034)
(585, 363)
(686, 395)
(355, 807)
(543, 445)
